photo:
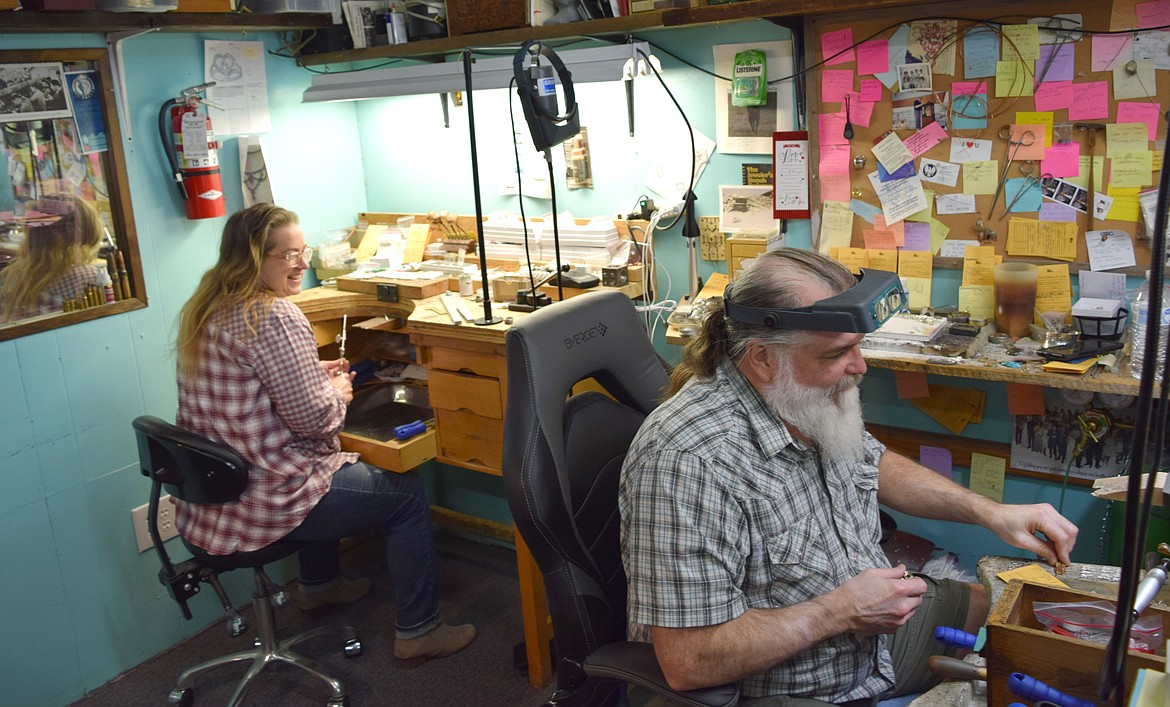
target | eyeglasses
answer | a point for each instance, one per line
(293, 257)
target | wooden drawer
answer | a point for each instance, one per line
(741, 248)
(470, 440)
(479, 363)
(392, 455)
(463, 391)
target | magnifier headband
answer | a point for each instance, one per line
(861, 309)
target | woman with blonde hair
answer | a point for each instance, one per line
(249, 377)
(56, 261)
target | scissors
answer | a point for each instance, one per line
(1024, 139)
(1028, 183)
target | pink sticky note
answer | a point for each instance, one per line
(925, 139)
(1107, 48)
(860, 112)
(1090, 101)
(873, 57)
(1025, 399)
(835, 83)
(1035, 151)
(835, 187)
(1153, 14)
(832, 129)
(1062, 160)
(937, 459)
(871, 90)
(837, 47)
(916, 235)
(1134, 112)
(880, 240)
(835, 159)
(898, 229)
(968, 88)
(1053, 95)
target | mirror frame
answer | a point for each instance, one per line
(117, 182)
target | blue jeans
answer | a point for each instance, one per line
(363, 498)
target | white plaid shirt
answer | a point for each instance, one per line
(268, 398)
(723, 510)
(67, 286)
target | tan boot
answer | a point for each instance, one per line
(439, 642)
(346, 591)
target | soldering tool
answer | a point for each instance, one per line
(341, 341)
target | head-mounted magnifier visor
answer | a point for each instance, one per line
(861, 309)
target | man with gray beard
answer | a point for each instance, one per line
(750, 512)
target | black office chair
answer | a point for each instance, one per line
(196, 470)
(562, 458)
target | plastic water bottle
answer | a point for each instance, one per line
(1141, 318)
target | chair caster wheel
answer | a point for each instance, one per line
(343, 702)
(353, 648)
(183, 698)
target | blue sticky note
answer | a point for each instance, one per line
(864, 210)
(980, 53)
(969, 111)
(1028, 201)
(936, 459)
(903, 172)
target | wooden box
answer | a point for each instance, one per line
(741, 248)
(470, 16)
(1018, 643)
(407, 289)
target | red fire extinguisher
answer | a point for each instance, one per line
(192, 152)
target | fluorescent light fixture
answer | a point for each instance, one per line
(586, 65)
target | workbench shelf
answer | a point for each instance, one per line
(783, 12)
(29, 22)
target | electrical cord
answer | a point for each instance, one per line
(520, 188)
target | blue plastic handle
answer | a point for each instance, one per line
(410, 429)
(1032, 689)
(950, 636)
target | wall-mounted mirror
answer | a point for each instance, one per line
(68, 249)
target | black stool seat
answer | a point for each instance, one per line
(197, 470)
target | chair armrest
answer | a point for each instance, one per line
(634, 662)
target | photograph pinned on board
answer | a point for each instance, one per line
(746, 209)
(1063, 192)
(932, 42)
(1090, 438)
(914, 110)
(915, 77)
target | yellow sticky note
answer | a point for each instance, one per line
(853, 258)
(977, 300)
(1053, 289)
(938, 233)
(1045, 239)
(978, 263)
(1032, 117)
(1131, 169)
(1020, 42)
(980, 177)
(1126, 137)
(416, 242)
(1156, 166)
(924, 216)
(1082, 178)
(918, 292)
(987, 475)
(836, 225)
(1013, 78)
(948, 406)
(370, 242)
(1125, 204)
(1032, 573)
(916, 263)
(884, 260)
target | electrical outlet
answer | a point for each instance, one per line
(167, 528)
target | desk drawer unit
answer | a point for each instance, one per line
(469, 416)
(741, 248)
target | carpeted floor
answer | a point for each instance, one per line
(478, 584)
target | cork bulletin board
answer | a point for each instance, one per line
(936, 109)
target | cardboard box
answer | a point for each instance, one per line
(1018, 643)
(470, 16)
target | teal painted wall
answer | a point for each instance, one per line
(82, 605)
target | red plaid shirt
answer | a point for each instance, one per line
(268, 398)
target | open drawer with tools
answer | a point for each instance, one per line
(391, 425)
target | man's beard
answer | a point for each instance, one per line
(830, 417)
